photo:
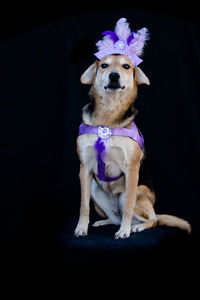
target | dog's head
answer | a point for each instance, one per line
(114, 73)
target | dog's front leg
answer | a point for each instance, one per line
(85, 181)
(131, 186)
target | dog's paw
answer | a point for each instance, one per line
(101, 223)
(81, 230)
(137, 228)
(122, 233)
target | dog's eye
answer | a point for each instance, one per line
(126, 66)
(104, 66)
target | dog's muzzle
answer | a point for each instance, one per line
(114, 82)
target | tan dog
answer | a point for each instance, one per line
(122, 202)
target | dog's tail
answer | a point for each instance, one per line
(172, 221)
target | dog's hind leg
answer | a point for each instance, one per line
(144, 208)
(106, 204)
(144, 216)
(143, 226)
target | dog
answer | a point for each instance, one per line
(114, 82)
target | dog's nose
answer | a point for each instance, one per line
(114, 76)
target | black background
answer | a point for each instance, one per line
(43, 53)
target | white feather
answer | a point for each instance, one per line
(139, 41)
(104, 44)
(122, 29)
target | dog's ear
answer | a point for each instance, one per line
(141, 78)
(89, 74)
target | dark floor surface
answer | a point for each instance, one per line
(159, 245)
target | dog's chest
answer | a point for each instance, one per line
(118, 153)
(115, 152)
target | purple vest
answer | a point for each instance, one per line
(104, 133)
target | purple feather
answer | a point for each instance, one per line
(112, 35)
(130, 38)
(100, 147)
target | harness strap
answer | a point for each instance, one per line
(100, 147)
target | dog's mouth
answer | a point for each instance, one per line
(114, 82)
(114, 86)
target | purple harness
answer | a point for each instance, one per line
(104, 134)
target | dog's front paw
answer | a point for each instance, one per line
(122, 233)
(81, 230)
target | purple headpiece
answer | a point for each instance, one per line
(123, 41)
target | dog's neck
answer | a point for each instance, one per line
(113, 110)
